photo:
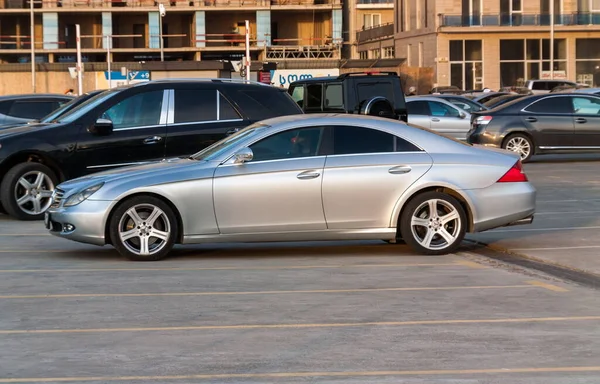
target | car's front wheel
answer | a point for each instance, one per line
(433, 223)
(26, 190)
(143, 228)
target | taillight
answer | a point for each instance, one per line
(483, 120)
(514, 175)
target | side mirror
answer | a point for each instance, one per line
(243, 156)
(462, 115)
(102, 127)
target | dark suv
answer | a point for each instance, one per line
(125, 126)
(378, 94)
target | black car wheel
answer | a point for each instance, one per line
(26, 190)
(520, 144)
(143, 228)
(433, 223)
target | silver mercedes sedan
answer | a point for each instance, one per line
(301, 178)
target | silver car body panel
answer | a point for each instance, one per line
(309, 198)
(456, 127)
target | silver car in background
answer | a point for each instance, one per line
(301, 178)
(439, 115)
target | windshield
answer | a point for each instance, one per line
(64, 108)
(217, 149)
(472, 105)
(87, 106)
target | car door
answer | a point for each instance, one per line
(586, 121)
(550, 121)
(139, 131)
(279, 190)
(199, 116)
(449, 120)
(366, 175)
(419, 113)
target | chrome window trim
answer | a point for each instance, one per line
(205, 122)
(375, 153)
(171, 115)
(118, 164)
(138, 127)
(570, 147)
(544, 98)
(229, 163)
(218, 105)
(164, 111)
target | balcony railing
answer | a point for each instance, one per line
(375, 2)
(24, 4)
(377, 32)
(519, 20)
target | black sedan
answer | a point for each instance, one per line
(540, 124)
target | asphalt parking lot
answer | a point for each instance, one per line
(352, 312)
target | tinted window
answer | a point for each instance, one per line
(586, 106)
(268, 102)
(334, 96)
(356, 140)
(195, 105)
(442, 110)
(29, 109)
(552, 105)
(139, 110)
(302, 142)
(540, 86)
(314, 96)
(297, 93)
(418, 108)
(5, 106)
(226, 110)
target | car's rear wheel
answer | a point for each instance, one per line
(26, 190)
(433, 223)
(520, 144)
(143, 228)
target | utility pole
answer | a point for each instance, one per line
(161, 13)
(247, 61)
(32, 40)
(551, 39)
(79, 63)
(108, 43)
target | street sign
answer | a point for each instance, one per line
(133, 75)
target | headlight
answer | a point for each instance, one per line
(82, 196)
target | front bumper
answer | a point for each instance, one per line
(84, 223)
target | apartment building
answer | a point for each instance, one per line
(493, 43)
(198, 30)
(370, 29)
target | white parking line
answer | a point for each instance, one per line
(557, 248)
(544, 229)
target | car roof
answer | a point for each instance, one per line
(220, 81)
(35, 96)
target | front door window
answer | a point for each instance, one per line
(140, 110)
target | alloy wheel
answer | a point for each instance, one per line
(33, 192)
(519, 145)
(436, 224)
(144, 229)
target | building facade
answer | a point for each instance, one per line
(499, 43)
(370, 29)
(198, 30)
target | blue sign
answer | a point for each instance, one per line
(133, 75)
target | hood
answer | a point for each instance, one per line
(19, 128)
(146, 173)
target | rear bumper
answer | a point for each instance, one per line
(525, 221)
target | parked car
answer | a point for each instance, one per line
(24, 108)
(439, 115)
(498, 101)
(58, 112)
(463, 102)
(541, 124)
(484, 98)
(377, 94)
(327, 177)
(127, 125)
(539, 87)
(448, 89)
(593, 91)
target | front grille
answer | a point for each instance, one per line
(57, 196)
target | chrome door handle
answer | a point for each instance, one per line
(580, 120)
(400, 169)
(232, 131)
(435, 119)
(531, 119)
(152, 140)
(308, 175)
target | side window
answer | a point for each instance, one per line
(418, 108)
(540, 86)
(314, 96)
(355, 140)
(195, 105)
(297, 94)
(442, 110)
(295, 143)
(29, 109)
(139, 110)
(552, 105)
(334, 96)
(226, 110)
(586, 106)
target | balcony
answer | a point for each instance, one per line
(152, 4)
(374, 4)
(515, 20)
(375, 33)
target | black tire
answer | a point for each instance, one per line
(132, 248)
(11, 188)
(438, 245)
(511, 143)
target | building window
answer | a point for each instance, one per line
(408, 55)
(371, 20)
(425, 14)
(363, 55)
(587, 59)
(466, 64)
(388, 52)
(545, 12)
(529, 59)
(511, 12)
(588, 6)
(471, 12)
(375, 53)
(400, 16)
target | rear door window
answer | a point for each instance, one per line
(552, 105)
(314, 96)
(348, 140)
(418, 108)
(334, 96)
(195, 105)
